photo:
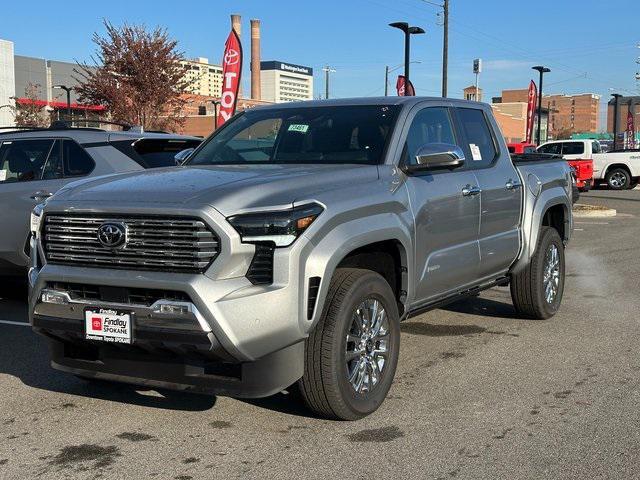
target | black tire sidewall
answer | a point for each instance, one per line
(625, 173)
(549, 236)
(369, 285)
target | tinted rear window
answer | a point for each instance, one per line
(155, 152)
(572, 148)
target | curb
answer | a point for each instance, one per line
(592, 211)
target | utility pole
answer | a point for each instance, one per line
(386, 81)
(616, 97)
(327, 70)
(542, 71)
(445, 49)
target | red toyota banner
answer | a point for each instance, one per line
(231, 72)
(532, 99)
(631, 131)
(409, 91)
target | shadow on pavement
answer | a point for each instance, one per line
(25, 355)
(485, 307)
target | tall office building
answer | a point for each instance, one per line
(205, 78)
(7, 83)
(285, 82)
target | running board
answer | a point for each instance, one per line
(502, 281)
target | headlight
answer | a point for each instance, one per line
(281, 227)
(36, 218)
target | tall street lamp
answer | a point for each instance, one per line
(542, 71)
(408, 31)
(68, 90)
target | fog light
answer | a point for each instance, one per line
(58, 298)
(171, 309)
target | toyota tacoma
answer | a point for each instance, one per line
(289, 247)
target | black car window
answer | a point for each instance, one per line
(554, 148)
(23, 160)
(77, 162)
(430, 125)
(572, 148)
(160, 152)
(477, 132)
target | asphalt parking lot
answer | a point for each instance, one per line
(479, 393)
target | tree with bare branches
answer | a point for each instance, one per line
(29, 111)
(137, 75)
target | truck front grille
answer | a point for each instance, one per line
(152, 243)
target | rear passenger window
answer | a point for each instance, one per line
(478, 135)
(431, 125)
(23, 160)
(595, 147)
(554, 148)
(572, 148)
(77, 162)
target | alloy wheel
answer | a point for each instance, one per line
(551, 276)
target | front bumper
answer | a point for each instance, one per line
(231, 323)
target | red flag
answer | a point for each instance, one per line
(231, 71)
(531, 109)
(631, 131)
(409, 91)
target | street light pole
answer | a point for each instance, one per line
(327, 70)
(408, 31)
(68, 90)
(542, 71)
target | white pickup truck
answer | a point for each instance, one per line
(620, 170)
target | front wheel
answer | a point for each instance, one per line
(537, 290)
(352, 354)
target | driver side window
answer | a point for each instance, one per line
(23, 160)
(430, 125)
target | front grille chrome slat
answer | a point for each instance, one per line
(153, 243)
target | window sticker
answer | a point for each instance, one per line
(3, 175)
(298, 128)
(475, 152)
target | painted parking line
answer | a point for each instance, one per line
(9, 322)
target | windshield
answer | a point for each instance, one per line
(325, 135)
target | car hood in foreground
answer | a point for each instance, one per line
(228, 188)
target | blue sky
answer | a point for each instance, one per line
(591, 46)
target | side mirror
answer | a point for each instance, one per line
(437, 156)
(182, 155)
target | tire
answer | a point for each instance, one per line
(326, 385)
(528, 290)
(618, 179)
(633, 184)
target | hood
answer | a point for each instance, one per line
(228, 188)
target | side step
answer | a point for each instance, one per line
(499, 282)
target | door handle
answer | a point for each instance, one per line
(470, 191)
(41, 195)
(511, 185)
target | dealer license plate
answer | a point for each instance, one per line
(108, 325)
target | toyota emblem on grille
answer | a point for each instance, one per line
(112, 235)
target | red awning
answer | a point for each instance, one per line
(62, 105)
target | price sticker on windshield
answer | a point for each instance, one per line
(296, 127)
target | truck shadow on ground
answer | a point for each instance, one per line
(25, 355)
(485, 307)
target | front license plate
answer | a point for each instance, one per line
(107, 325)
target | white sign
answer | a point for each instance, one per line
(475, 152)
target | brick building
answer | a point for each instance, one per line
(569, 113)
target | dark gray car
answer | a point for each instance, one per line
(36, 163)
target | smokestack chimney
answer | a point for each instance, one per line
(255, 60)
(236, 23)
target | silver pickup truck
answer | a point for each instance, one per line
(289, 247)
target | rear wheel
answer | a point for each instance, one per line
(352, 354)
(537, 290)
(618, 179)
